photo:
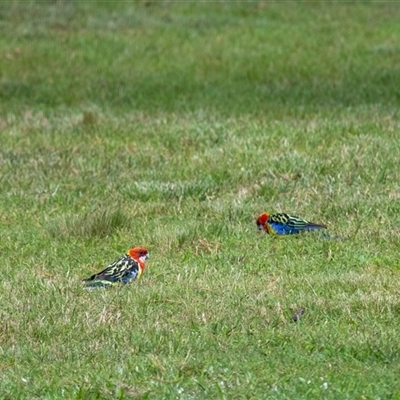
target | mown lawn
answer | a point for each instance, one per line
(173, 125)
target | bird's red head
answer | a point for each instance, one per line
(262, 222)
(139, 254)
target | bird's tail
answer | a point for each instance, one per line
(313, 227)
(94, 284)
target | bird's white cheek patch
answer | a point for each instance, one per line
(143, 258)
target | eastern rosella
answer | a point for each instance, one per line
(285, 224)
(124, 270)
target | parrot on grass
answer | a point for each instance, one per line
(285, 224)
(122, 271)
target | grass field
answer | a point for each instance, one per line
(173, 125)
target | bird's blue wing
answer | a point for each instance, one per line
(129, 275)
(286, 224)
(283, 229)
